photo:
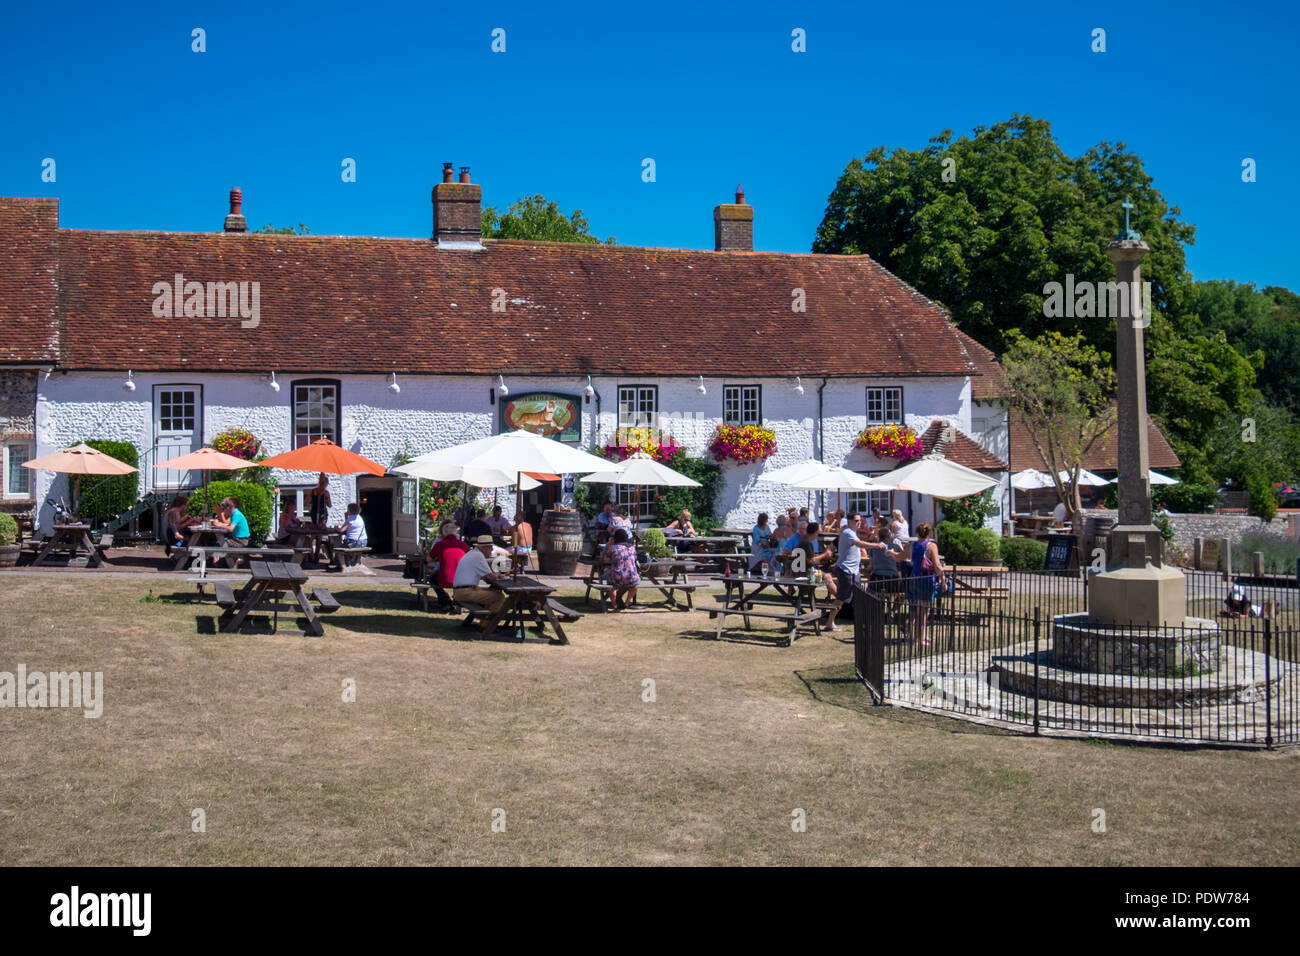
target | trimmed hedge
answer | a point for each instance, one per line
(8, 529)
(106, 496)
(956, 542)
(1024, 554)
(255, 503)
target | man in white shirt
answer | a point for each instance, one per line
(1058, 514)
(472, 570)
(848, 566)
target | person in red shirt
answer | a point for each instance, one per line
(444, 556)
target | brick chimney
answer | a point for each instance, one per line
(235, 222)
(733, 225)
(457, 210)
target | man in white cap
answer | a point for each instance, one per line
(474, 568)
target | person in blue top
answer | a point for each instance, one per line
(233, 523)
(800, 532)
(926, 583)
(761, 530)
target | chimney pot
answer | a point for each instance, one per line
(235, 222)
(457, 211)
(448, 173)
(733, 225)
(464, 174)
(740, 195)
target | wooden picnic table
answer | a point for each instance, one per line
(268, 584)
(524, 596)
(744, 534)
(678, 571)
(791, 591)
(72, 539)
(980, 581)
(201, 536)
(232, 554)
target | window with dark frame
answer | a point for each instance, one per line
(638, 406)
(176, 410)
(742, 405)
(18, 480)
(884, 406)
(316, 411)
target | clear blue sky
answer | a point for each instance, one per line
(149, 135)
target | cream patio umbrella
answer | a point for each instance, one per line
(640, 470)
(1155, 478)
(937, 477)
(80, 460)
(797, 472)
(1086, 477)
(1031, 479)
(518, 453)
(837, 479)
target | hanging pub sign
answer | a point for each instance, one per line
(543, 413)
(1060, 551)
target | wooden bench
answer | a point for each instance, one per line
(348, 556)
(202, 583)
(446, 602)
(474, 612)
(328, 603)
(225, 594)
(792, 619)
(565, 614)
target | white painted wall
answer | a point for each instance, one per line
(989, 427)
(438, 411)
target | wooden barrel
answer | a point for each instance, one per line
(1096, 534)
(559, 542)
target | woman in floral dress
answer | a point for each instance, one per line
(622, 573)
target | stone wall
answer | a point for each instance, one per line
(1234, 527)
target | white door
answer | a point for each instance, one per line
(406, 530)
(178, 430)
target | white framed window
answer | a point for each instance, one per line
(742, 405)
(863, 502)
(638, 406)
(18, 480)
(647, 504)
(884, 406)
(315, 411)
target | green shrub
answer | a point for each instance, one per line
(1162, 523)
(254, 501)
(655, 544)
(985, 545)
(701, 501)
(955, 541)
(970, 512)
(1189, 498)
(1024, 554)
(8, 529)
(1263, 496)
(1280, 554)
(106, 496)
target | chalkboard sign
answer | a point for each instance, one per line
(1060, 549)
(1210, 554)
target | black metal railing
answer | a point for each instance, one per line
(1017, 648)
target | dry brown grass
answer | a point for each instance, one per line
(253, 730)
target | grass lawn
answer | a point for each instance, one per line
(254, 730)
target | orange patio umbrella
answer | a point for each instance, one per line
(324, 455)
(80, 460)
(206, 460)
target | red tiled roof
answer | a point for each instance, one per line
(1104, 455)
(344, 304)
(988, 383)
(961, 449)
(29, 260)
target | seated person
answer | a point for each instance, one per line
(522, 539)
(175, 523)
(474, 574)
(620, 520)
(1236, 604)
(232, 521)
(800, 531)
(681, 527)
(444, 557)
(288, 524)
(606, 516)
(764, 548)
(499, 526)
(760, 529)
(476, 526)
(353, 528)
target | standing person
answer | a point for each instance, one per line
(927, 579)
(318, 511)
(623, 573)
(474, 569)
(521, 541)
(898, 525)
(848, 568)
(885, 559)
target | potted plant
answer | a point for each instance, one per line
(986, 549)
(9, 547)
(655, 544)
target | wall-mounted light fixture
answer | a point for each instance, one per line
(502, 389)
(393, 387)
(798, 385)
(700, 388)
(273, 385)
(128, 385)
(590, 390)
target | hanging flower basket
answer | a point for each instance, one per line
(743, 444)
(628, 441)
(891, 441)
(238, 442)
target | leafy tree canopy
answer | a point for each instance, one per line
(536, 217)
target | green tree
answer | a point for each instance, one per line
(536, 217)
(1064, 390)
(299, 230)
(1013, 213)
